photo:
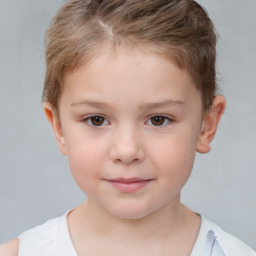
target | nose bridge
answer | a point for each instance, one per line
(127, 144)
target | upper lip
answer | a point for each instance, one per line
(128, 180)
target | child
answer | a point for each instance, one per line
(130, 93)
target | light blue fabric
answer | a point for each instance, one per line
(212, 246)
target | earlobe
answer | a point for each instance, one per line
(54, 121)
(210, 124)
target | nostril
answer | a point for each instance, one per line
(126, 147)
(128, 161)
(127, 156)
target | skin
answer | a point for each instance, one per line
(133, 137)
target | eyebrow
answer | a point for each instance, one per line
(165, 103)
(150, 105)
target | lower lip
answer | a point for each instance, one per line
(129, 187)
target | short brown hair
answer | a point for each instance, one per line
(177, 29)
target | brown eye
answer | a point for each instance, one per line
(97, 120)
(157, 120)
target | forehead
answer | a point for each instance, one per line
(130, 52)
(133, 79)
(127, 66)
(119, 58)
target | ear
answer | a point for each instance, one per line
(54, 121)
(210, 124)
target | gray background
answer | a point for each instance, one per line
(35, 182)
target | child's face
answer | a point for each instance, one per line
(130, 127)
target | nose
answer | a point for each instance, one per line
(127, 147)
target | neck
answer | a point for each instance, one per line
(162, 231)
(161, 224)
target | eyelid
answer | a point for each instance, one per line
(167, 117)
(86, 118)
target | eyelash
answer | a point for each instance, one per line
(88, 120)
(167, 119)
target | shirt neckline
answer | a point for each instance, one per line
(197, 248)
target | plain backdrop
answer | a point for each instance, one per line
(35, 181)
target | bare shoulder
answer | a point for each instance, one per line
(11, 248)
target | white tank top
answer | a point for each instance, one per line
(53, 239)
(50, 239)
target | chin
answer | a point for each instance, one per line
(132, 216)
(131, 212)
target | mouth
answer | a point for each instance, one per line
(129, 185)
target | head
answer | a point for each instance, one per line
(130, 94)
(178, 30)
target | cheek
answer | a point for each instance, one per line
(85, 160)
(174, 156)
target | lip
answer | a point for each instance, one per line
(129, 185)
